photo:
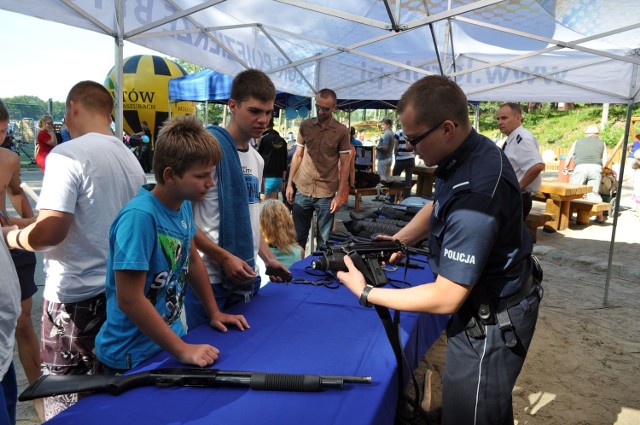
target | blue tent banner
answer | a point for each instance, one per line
(211, 86)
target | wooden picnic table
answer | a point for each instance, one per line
(558, 196)
(425, 175)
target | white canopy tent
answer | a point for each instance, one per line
(497, 50)
(521, 50)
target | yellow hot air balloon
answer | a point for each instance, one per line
(146, 92)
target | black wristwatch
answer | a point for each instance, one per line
(365, 295)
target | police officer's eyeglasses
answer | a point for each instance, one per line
(414, 142)
(323, 109)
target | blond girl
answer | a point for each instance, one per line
(277, 228)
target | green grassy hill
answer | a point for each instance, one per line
(555, 129)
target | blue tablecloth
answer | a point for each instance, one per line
(295, 328)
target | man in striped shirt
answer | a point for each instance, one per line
(405, 161)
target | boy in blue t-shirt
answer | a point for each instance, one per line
(152, 256)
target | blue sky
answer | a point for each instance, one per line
(45, 59)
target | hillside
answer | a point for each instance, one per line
(559, 129)
(554, 129)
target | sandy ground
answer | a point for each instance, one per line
(583, 367)
(584, 363)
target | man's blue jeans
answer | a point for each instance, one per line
(303, 208)
(194, 310)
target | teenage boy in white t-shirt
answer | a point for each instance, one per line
(228, 219)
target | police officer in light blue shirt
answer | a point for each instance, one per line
(523, 151)
(486, 277)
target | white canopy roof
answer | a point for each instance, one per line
(497, 50)
(517, 50)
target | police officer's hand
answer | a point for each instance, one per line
(353, 279)
(395, 258)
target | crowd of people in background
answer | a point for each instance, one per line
(225, 196)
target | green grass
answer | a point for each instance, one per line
(555, 129)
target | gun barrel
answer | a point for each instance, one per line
(351, 379)
(305, 383)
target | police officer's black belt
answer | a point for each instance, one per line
(527, 289)
(502, 312)
(486, 311)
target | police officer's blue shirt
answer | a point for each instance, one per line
(477, 233)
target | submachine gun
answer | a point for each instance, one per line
(52, 385)
(366, 256)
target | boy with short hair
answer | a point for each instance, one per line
(228, 217)
(149, 268)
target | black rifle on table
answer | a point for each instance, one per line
(52, 385)
(366, 256)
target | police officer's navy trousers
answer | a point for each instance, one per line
(480, 373)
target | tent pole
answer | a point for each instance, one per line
(476, 116)
(616, 208)
(118, 52)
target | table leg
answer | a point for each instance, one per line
(563, 222)
(420, 185)
(553, 208)
(428, 183)
(356, 207)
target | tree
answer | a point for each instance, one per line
(33, 107)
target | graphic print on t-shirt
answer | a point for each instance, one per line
(253, 185)
(167, 288)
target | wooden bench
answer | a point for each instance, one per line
(372, 191)
(538, 196)
(425, 178)
(585, 209)
(535, 219)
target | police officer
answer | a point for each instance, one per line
(523, 151)
(480, 255)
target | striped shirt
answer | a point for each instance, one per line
(403, 153)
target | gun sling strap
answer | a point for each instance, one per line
(392, 330)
